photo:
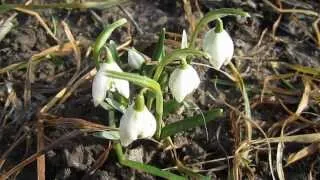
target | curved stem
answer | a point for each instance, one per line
(219, 26)
(144, 82)
(214, 15)
(177, 54)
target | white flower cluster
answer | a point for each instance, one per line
(140, 122)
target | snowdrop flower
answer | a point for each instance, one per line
(135, 59)
(102, 83)
(136, 122)
(183, 81)
(219, 45)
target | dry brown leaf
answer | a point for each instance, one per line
(304, 152)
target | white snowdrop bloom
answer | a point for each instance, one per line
(183, 81)
(219, 46)
(135, 59)
(102, 83)
(136, 124)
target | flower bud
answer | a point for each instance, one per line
(184, 40)
(219, 46)
(135, 59)
(183, 81)
(102, 83)
(136, 123)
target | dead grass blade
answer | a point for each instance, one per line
(41, 21)
(315, 26)
(58, 50)
(51, 120)
(74, 45)
(302, 105)
(303, 153)
(6, 26)
(188, 14)
(271, 78)
(300, 11)
(304, 138)
(277, 22)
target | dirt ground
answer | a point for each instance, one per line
(269, 44)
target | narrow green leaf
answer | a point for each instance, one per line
(159, 52)
(83, 5)
(190, 122)
(152, 170)
(103, 37)
(111, 135)
(170, 107)
(113, 49)
(137, 79)
(304, 69)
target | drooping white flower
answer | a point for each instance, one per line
(183, 81)
(136, 124)
(219, 46)
(102, 83)
(135, 59)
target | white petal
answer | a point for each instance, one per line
(219, 46)
(100, 85)
(119, 85)
(183, 81)
(135, 59)
(128, 127)
(184, 40)
(148, 124)
(136, 124)
(122, 87)
(99, 88)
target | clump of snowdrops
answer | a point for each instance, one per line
(142, 110)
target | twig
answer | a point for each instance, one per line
(136, 25)
(38, 17)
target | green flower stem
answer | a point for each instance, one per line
(214, 15)
(144, 82)
(219, 26)
(103, 37)
(179, 54)
(139, 102)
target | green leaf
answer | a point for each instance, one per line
(103, 37)
(76, 5)
(152, 170)
(170, 107)
(159, 52)
(111, 135)
(190, 122)
(113, 49)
